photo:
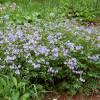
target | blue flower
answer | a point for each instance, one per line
(65, 51)
(55, 52)
(72, 63)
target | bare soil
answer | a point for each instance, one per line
(64, 96)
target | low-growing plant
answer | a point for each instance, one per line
(79, 9)
(13, 88)
(50, 54)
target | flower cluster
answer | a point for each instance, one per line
(38, 47)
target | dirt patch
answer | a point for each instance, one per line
(64, 96)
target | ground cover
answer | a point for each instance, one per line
(47, 52)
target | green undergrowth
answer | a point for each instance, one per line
(30, 10)
(28, 76)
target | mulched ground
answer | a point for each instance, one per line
(64, 96)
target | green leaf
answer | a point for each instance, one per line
(15, 95)
(15, 81)
(92, 74)
(25, 96)
(3, 82)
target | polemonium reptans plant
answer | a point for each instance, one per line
(69, 47)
